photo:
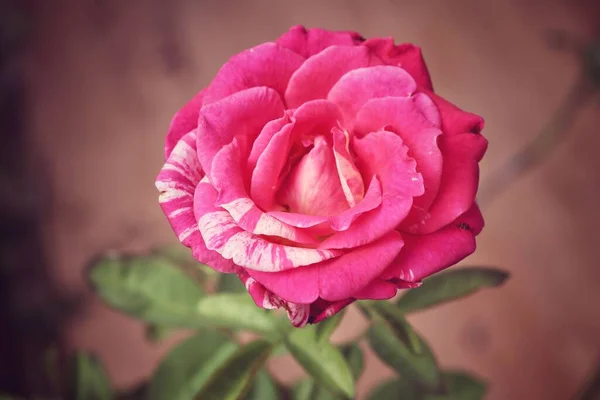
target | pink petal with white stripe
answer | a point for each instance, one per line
(336, 279)
(357, 87)
(227, 179)
(268, 65)
(177, 182)
(308, 42)
(424, 255)
(242, 115)
(459, 182)
(350, 178)
(406, 118)
(381, 154)
(322, 309)
(313, 187)
(319, 73)
(223, 235)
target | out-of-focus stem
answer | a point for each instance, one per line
(534, 152)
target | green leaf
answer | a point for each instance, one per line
(187, 369)
(303, 390)
(394, 389)
(237, 311)
(149, 288)
(263, 388)
(392, 349)
(157, 333)
(325, 329)
(233, 379)
(321, 360)
(459, 386)
(230, 283)
(354, 357)
(396, 320)
(88, 379)
(450, 285)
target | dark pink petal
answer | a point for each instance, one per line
(381, 154)
(460, 178)
(177, 182)
(184, 121)
(406, 55)
(377, 290)
(242, 115)
(263, 139)
(308, 42)
(358, 86)
(455, 120)
(350, 178)
(265, 176)
(322, 309)
(227, 179)
(371, 201)
(319, 73)
(268, 65)
(424, 255)
(299, 220)
(336, 279)
(316, 117)
(313, 187)
(221, 234)
(298, 314)
(418, 134)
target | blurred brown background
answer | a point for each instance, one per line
(104, 77)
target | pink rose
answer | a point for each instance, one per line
(322, 168)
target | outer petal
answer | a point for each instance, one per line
(176, 182)
(298, 314)
(357, 87)
(382, 154)
(322, 309)
(460, 178)
(336, 279)
(406, 55)
(377, 290)
(455, 120)
(267, 65)
(241, 115)
(308, 42)
(424, 255)
(184, 121)
(319, 73)
(406, 118)
(223, 235)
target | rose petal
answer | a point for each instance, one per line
(267, 65)
(406, 55)
(241, 115)
(264, 138)
(381, 154)
(319, 73)
(377, 290)
(358, 86)
(460, 178)
(176, 182)
(223, 235)
(350, 178)
(298, 314)
(313, 187)
(371, 201)
(308, 42)
(418, 134)
(299, 220)
(322, 309)
(184, 121)
(336, 279)
(424, 255)
(455, 120)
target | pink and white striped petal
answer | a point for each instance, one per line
(176, 183)
(223, 235)
(322, 309)
(381, 154)
(350, 178)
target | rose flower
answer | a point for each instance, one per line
(322, 168)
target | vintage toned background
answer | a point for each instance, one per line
(104, 77)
